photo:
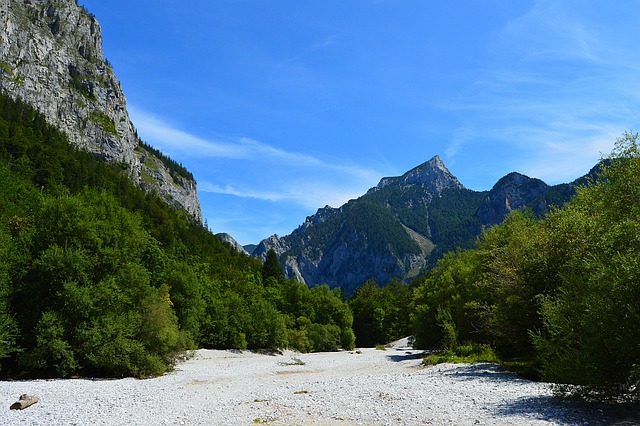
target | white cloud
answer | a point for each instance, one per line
(461, 136)
(306, 193)
(262, 171)
(550, 30)
(554, 98)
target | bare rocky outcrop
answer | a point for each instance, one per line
(51, 57)
(515, 191)
(229, 239)
(433, 175)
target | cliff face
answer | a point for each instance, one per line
(51, 57)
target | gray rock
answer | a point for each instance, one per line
(51, 57)
(229, 239)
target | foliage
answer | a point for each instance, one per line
(468, 353)
(591, 335)
(271, 267)
(560, 293)
(98, 278)
(105, 122)
(446, 304)
(175, 168)
(380, 315)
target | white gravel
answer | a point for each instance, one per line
(373, 387)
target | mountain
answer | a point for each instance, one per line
(51, 57)
(231, 241)
(402, 226)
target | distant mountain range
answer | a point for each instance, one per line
(399, 228)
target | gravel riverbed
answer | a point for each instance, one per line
(367, 387)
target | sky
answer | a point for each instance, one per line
(282, 107)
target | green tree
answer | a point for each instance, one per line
(591, 334)
(447, 302)
(271, 267)
(8, 327)
(517, 271)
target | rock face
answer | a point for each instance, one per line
(402, 226)
(433, 176)
(229, 239)
(513, 192)
(51, 57)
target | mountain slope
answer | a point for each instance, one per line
(402, 226)
(51, 57)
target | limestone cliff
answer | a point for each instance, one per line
(229, 239)
(51, 57)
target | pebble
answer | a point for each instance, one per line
(221, 387)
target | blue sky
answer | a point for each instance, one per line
(282, 107)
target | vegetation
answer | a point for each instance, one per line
(175, 168)
(380, 315)
(98, 278)
(469, 353)
(560, 294)
(105, 122)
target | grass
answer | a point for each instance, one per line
(104, 121)
(6, 68)
(468, 353)
(294, 361)
(473, 353)
(525, 368)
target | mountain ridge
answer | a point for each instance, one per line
(400, 227)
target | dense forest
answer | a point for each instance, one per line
(99, 278)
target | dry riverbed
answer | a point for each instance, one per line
(372, 387)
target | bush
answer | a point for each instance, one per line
(468, 353)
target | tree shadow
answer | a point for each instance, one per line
(567, 411)
(406, 354)
(549, 408)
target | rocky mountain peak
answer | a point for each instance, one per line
(432, 174)
(512, 192)
(229, 239)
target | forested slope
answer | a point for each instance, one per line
(100, 278)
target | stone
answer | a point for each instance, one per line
(24, 401)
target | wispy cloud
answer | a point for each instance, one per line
(551, 30)
(247, 168)
(461, 136)
(303, 191)
(553, 96)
